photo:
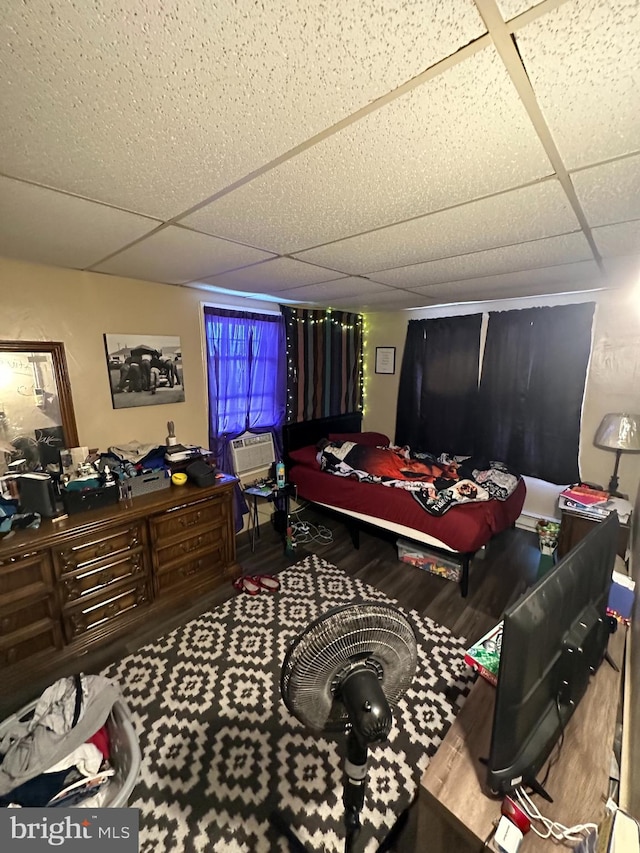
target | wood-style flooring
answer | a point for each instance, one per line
(507, 567)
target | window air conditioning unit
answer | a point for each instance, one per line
(252, 452)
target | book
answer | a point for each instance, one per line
(484, 656)
(585, 495)
(621, 596)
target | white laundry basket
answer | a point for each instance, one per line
(124, 747)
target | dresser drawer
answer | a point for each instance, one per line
(193, 573)
(25, 575)
(102, 613)
(86, 550)
(24, 612)
(39, 637)
(193, 546)
(188, 520)
(100, 576)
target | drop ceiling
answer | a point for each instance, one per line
(367, 155)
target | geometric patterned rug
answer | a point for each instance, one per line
(220, 750)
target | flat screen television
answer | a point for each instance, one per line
(554, 638)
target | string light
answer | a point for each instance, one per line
(303, 317)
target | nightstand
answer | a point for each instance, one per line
(575, 527)
(280, 499)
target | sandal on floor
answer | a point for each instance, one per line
(247, 584)
(267, 582)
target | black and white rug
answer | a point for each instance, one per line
(221, 752)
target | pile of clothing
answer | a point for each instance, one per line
(61, 755)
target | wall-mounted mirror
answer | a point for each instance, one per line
(36, 410)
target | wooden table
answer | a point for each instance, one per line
(575, 526)
(454, 814)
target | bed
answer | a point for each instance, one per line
(459, 533)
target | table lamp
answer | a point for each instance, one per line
(619, 432)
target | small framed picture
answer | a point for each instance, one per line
(385, 359)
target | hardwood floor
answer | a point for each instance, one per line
(507, 568)
(509, 565)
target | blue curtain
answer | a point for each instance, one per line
(246, 366)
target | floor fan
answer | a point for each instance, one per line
(342, 674)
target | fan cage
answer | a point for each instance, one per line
(352, 633)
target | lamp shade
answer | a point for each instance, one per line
(619, 432)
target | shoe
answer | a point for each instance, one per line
(267, 582)
(247, 584)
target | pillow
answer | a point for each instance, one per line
(371, 439)
(305, 456)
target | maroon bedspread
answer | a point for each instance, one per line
(464, 528)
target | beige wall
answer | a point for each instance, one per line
(613, 383)
(77, 308)
(54, 304)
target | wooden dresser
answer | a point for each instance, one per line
(83, 580)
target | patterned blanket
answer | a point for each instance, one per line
(436, 482)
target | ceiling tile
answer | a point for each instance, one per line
(511, 8)
(273, 275)
(177, 255)
(49, 227)
(529, 213)
(395, 300)
(467, 291)
(623, 270)
(610, 192)
(621, 239)
(582, 59)
(156, 93)
(461, 135)
(565, 277)
(539, 253)
(345, 287)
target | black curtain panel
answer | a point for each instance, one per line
(531, 390)
(439, 385)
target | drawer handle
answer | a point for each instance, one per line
(71, 585)
(78, 624)
(68, 560)
(191, 521)
(195, 544)
(187, 572)
(103, 549)
(5, 625)
(12, 655)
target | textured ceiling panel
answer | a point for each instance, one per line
(461, 135)
(392, 300)
(529, 213)
(621, 239)
(624, 270)
(583, 59)
(510, 8)
(468, 291)
(273, 276)
(577, 276)
(177, 255)
(52, 228)
(345, 287)
(525, 256)
(155, 92)
(611, 192)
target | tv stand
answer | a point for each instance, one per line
(454, 812)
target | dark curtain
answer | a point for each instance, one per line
(439, 385)
(531, 390)
(246, 370)
(324, 363)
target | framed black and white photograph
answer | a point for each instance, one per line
(385, 360)
(144, 370)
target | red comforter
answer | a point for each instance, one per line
(464, 528)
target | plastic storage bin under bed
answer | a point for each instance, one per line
(125, 751)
